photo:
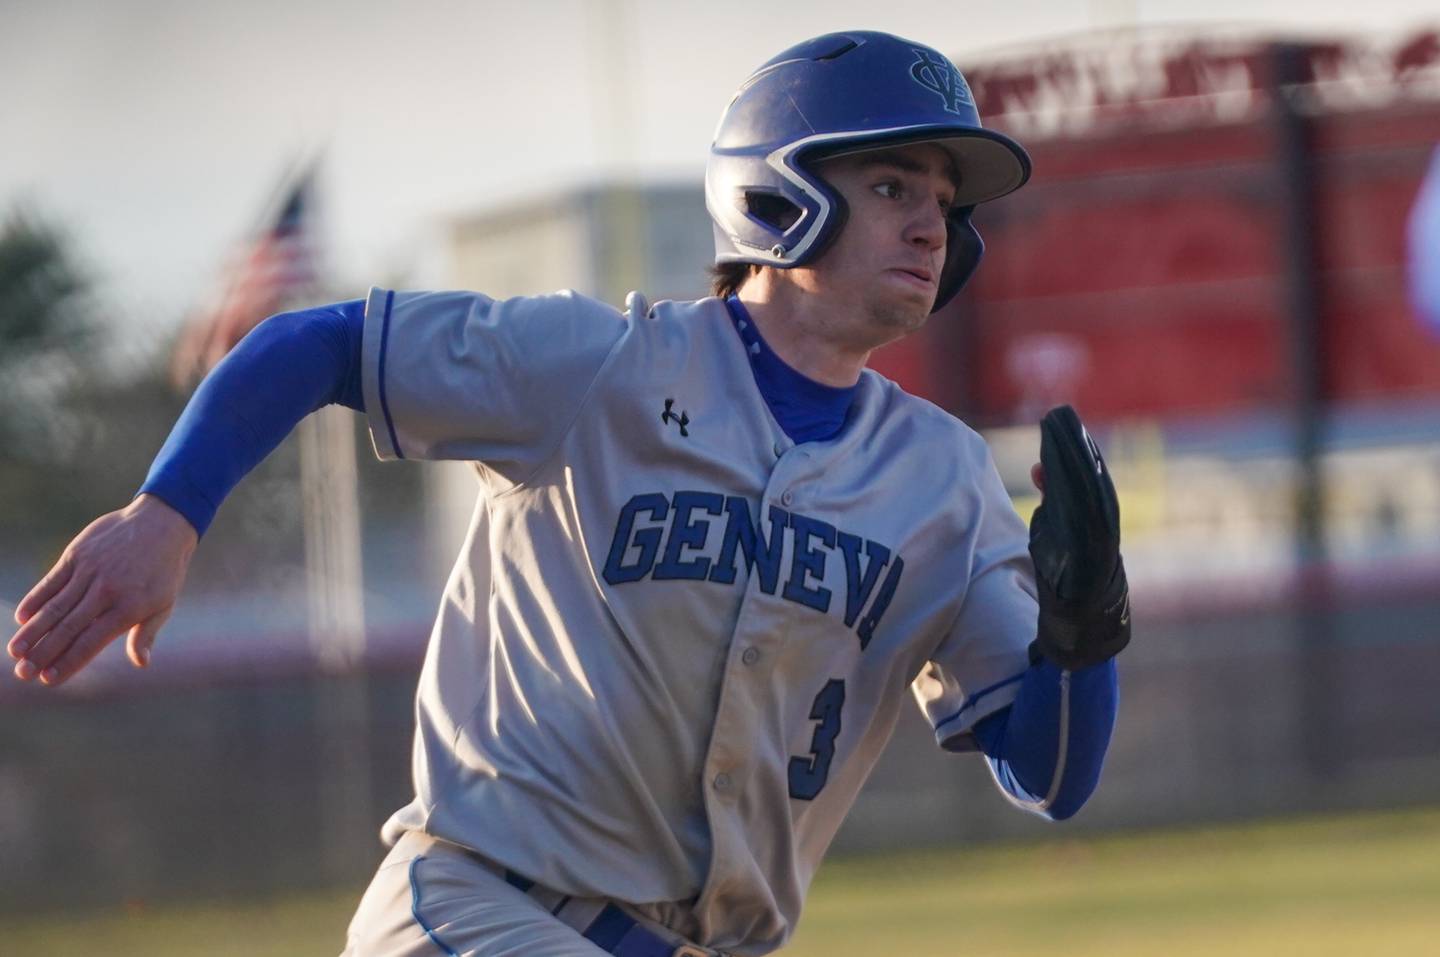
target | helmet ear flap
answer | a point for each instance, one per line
(963, 249)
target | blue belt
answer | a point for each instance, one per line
(612, 930)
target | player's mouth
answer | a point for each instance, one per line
(915, 275)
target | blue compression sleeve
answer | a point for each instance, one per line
(287, 367)
(1047, 748)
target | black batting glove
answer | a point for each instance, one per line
(1075, 544)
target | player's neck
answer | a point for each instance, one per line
(805, 331)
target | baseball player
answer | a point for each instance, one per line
(711, 550)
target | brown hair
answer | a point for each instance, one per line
(727, 278)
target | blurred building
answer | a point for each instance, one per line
(602, 240)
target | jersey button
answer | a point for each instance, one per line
(779, 449)
(786, 497)
(751, 655)
(722, 781)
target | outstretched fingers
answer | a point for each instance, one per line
(41, 649)
(91, 640)
(60, 575)
(42, 617)
(122, 571)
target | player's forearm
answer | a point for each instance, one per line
(289, 366)
(1048, 750)
(1048, 747)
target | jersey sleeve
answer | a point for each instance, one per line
(458, 375)
(979, 664)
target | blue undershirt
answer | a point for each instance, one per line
(294, 363)
(808, 411)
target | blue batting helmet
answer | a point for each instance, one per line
(843, 93)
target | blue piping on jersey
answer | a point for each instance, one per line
(977, 696)
(415, 905)
(380, 373)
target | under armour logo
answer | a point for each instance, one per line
(682, 419)
(939, 76)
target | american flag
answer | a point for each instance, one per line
(275, 269)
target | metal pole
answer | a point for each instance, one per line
(329, 484)
(1295, 170)
(619, 248)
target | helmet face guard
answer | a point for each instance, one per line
(844, 93)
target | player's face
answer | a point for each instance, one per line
(890, 252)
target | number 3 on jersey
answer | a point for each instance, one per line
(807, 775)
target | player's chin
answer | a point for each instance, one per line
(903, 313)
(908, 288)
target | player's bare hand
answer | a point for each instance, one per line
(123, 573)
(1037, 477)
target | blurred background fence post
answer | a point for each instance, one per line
(335, 588)
(1292, 111)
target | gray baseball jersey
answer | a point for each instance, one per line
(675, 642)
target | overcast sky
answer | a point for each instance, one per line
(155, 131)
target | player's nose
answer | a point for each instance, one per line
(927, 226)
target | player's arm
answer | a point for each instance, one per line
(1047, 748)
(287, 367)
(124, 571)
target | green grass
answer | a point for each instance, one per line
(1360, 884)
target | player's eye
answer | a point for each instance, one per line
(890, 189)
